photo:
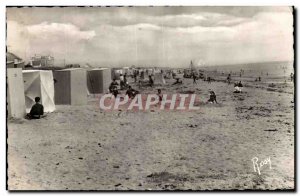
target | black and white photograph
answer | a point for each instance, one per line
(150, 98)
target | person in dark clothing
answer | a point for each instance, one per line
(113, 85)
(212, 97)
(173, 75)
(135, 75)
(131, 92)
(125, 78)
(37, 110)
(194, 78)
(229, 78)
(159, 94)
(151, 82)
(240, 84)
(178, 81)
(208, 80)
(114, 90)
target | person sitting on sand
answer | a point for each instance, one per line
(240, 84)
(114, 84)
(142, 74)
(212, 97)
(178, 81)
(238, 87)
(131, 92)
(37, 110)
(114, 91)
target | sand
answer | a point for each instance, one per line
(83, 148)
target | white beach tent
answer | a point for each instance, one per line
(156, 70)
(39, 83)
(98, 80)
(15, 93)
(145, 74)
(159, 78)
(116, 72)
(70, 86)
(125, 70)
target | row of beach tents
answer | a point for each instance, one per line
(57, 87)
(143, 73)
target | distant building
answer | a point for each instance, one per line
(73, 66)
(13, 61)
(42, 61)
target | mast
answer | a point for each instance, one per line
(192, 66)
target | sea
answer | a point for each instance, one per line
(271, 72)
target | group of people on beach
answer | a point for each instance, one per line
(238, 86)
(37, 110)
(114, 90)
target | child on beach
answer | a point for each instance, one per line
(131, 93)
(228, 78)
(212, 97)
(37, 110)
(159, 94)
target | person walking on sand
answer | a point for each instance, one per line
(228, 78)
(159, 94)
(151, 82)
(194, 78)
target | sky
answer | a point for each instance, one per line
(152, 36)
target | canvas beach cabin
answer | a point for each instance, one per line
(39, 83)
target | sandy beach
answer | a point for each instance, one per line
(83, 148)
